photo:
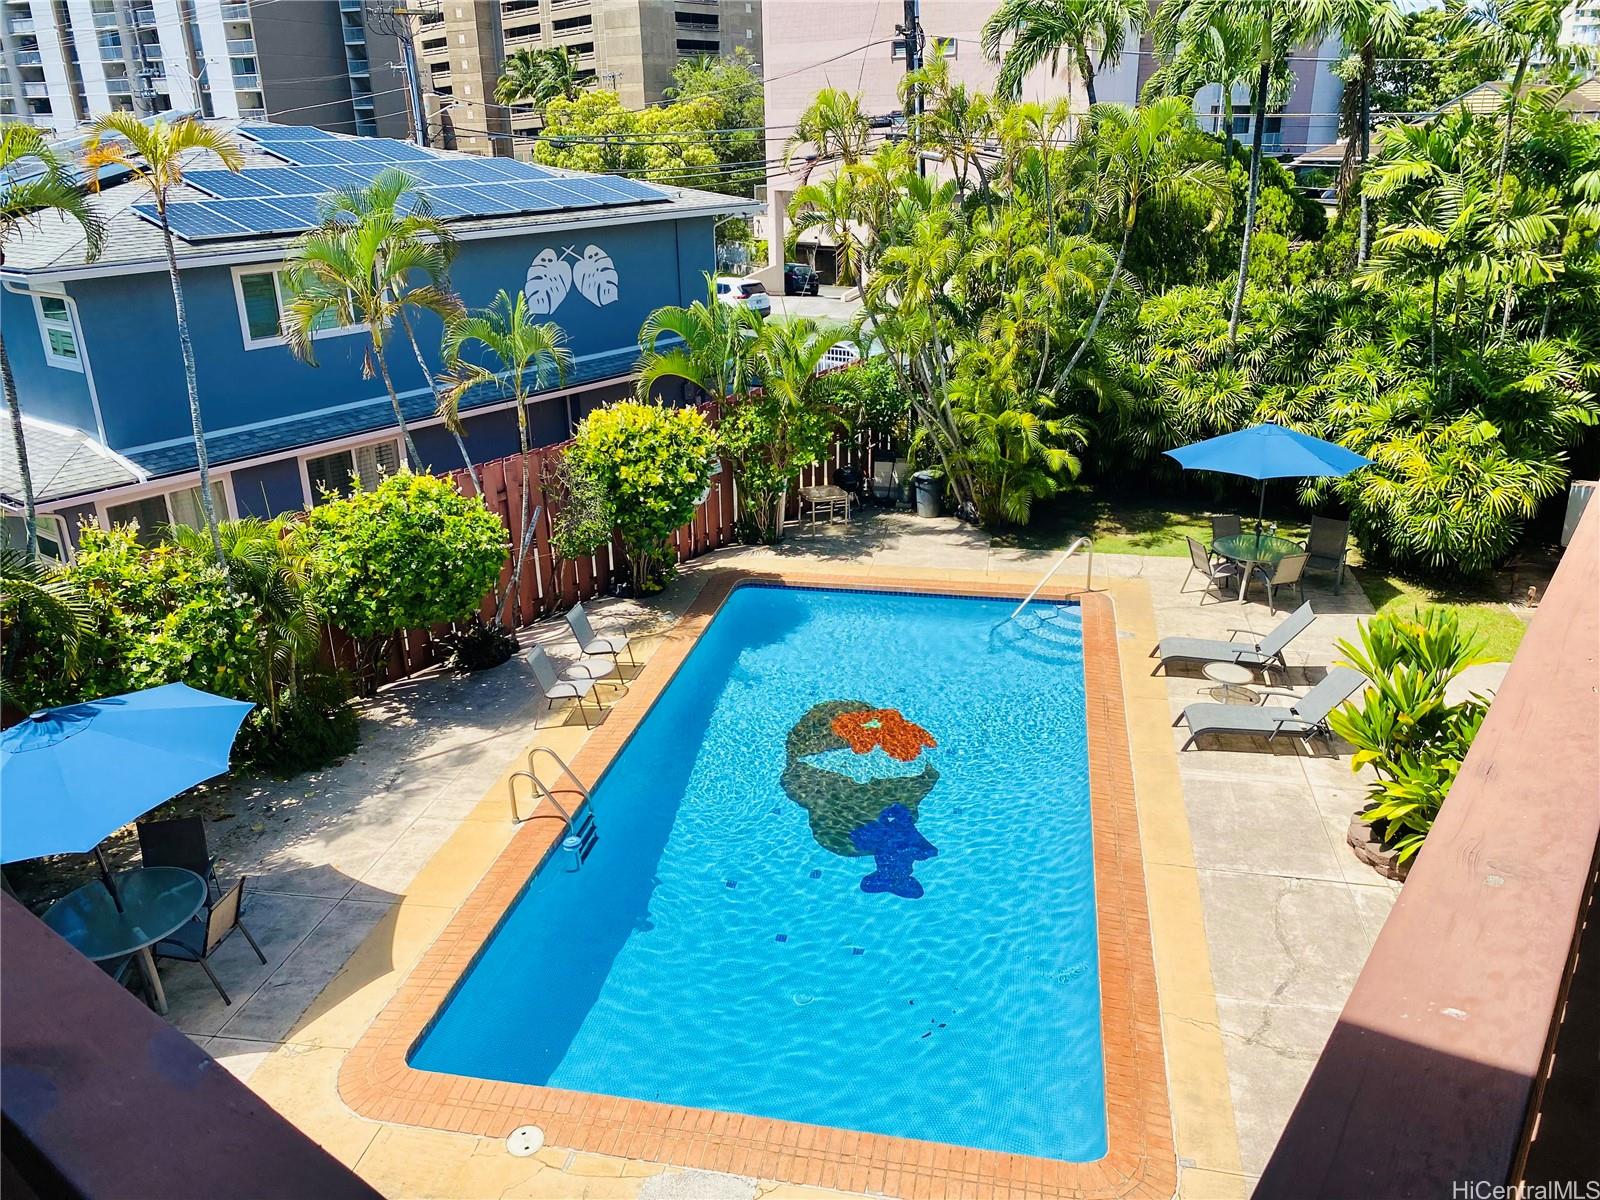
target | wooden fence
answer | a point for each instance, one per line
(548, 585)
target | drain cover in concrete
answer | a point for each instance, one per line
(524, 1141)
(698, 1185)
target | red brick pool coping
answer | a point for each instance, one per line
(376, 1081)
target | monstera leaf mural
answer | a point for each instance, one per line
(549, 281)
(596, 276)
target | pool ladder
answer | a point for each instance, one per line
(581, 836)
(1088, 579)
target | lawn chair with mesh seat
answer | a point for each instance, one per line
(1224, 525)
(1289, 572)
(198, 940)
(592, 643)
(1216, 573)
(179, 842)
(1305, 719)
(1327, 545)
(1263, 654)
(573, 685)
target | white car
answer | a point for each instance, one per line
(751, 293)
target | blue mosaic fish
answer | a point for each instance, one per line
(893, 840)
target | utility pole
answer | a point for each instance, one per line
(393, 17)
(911, 30)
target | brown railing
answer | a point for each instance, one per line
(1434, 1081)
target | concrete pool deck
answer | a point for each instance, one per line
(1260, 916)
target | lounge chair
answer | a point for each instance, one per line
(1216, 573)
(573, 685)
(199, 938)
(1305, 719)
(1327, 546)
(592, 643)
(1290, 572)
(1263, 655)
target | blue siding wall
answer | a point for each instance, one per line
(133, 347)
(50, 393)
(269, 489)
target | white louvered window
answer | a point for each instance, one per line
(338, 472)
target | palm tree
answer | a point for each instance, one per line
(537, 76)
(1513, 34)
(834, 205)
(39, 595)
(1155, 150)
(265, 564)
(384, 195)
(154, 155)
(1093, 32)
(834, 126)
(362, 274)
(715, 346)
(29, 190)
(1199, 53)
(530, 357)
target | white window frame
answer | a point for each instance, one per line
(48, 323)
(166, 491)
(276, 270)
(350, 448)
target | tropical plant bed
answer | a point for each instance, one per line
(1367, 843)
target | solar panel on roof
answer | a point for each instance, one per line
(258, 216)
(309, 154)
(194, 222)
(435, 172)
(450, 202)
(306, 210)
(402, 151)
(634, 190)
(285, 133)
(230, 184)
(486, 202)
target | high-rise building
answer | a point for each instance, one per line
(1581, 26)
(627, 46)
(303, 62)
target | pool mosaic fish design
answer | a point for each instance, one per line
(854, 817)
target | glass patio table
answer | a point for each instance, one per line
(156, 903)
(1252, 550)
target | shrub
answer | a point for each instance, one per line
(411, 552)
(582, 518)
(1403, 725)
(652, 464)
(481, 645)
(870, 398)
(316, 724)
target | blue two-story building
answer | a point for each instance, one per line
(95, 354)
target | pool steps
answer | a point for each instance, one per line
(581, 835)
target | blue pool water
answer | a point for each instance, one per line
(809, 913)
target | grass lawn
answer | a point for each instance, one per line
(1157, 525)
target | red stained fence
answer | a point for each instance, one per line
(548, 586)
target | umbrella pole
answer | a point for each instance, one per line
(106, 876)
(1261, 509)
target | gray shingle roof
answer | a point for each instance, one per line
(315, 428)
(52, 245)
(63, 462)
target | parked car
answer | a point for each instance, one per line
(751, 293)
(800, 280)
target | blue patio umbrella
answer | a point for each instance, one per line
(71, 776)
(1266, 452)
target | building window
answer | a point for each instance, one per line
(52, 532)
(262, 295)
(696, 46)
(340, 471)
(152, 514)
(59, 334)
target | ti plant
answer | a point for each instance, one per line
(1404, 727)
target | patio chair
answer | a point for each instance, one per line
(1327, 546)
(885, 483)
(198, 940)
(1224, 525)
(1305, 719)
(1262, 655)
(1216, 573)
(180, 842)
(591, 643)
(573, 686)
(1289, 572)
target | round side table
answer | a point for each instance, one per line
(1230, 679)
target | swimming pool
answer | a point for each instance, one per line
(844, 877)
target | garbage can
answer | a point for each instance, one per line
(929, 485)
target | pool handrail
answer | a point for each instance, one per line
(542, 790)
(1088, 579)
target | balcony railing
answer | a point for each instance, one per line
(247, 82)
(105, 20)
(242, 47)
(358, 66)
(28, 58)
(21, 25)
(36, 91)
(354, 35)
(235, 12)
(119, 87)
(142, 18)
(252, 114)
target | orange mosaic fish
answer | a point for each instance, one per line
(901, 739)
